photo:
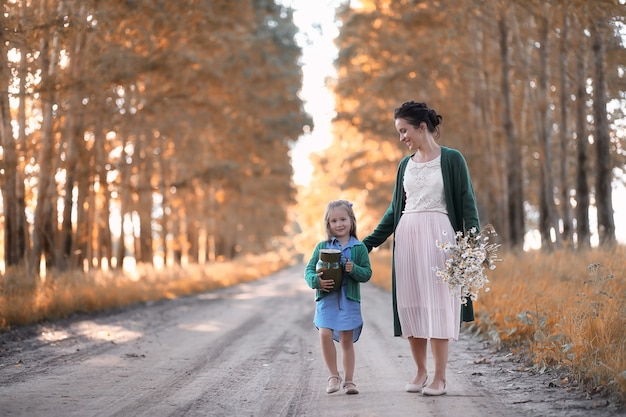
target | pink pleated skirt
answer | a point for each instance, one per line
(425, 307)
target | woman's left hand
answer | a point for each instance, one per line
(349, 266)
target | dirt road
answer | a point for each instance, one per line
(250, 350)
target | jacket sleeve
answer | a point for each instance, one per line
(362, 270)
(467, 203)
(384, 229)
(387, 224)
(309, 272)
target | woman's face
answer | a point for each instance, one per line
(411, 136)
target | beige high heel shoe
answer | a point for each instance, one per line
(433, 392)
(416, 387)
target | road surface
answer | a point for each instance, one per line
(250, 350)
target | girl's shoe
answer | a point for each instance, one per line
(350, 388)
(333, 387)
(416, 387)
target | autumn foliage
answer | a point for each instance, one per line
(152, 130)
(524, 89)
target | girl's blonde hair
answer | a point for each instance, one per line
(348, 207)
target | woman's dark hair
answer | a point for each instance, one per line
(416, 113)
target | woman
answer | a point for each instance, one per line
(433, 198)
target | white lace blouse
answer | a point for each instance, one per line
(423, 184)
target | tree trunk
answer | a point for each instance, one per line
(103, 214)
(66, 235)
(192, 240)
(547, 210)
(566, 208)
(144, 201)
(124, 202)
(604, 205)
(74, 135)
(165, 207)
(22, 238)
(514, 184)
(44, 218)
(80, 241)
(9, 164)
(582, 147)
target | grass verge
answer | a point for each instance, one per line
(61, 296)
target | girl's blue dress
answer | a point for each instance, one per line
(335, 311)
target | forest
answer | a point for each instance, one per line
(146, 129)
(160, 130)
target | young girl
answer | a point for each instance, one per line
(338, 311)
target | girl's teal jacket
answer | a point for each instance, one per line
(362, 271)
(460, 203)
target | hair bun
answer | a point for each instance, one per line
(434, 117)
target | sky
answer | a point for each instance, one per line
(315, 19)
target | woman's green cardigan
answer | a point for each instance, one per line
(462, 212)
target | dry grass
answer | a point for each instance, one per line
(63, 295)
(561, 310)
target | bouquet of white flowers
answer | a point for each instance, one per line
(470, 256)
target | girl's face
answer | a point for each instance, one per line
(411, 136)
(339, 222)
